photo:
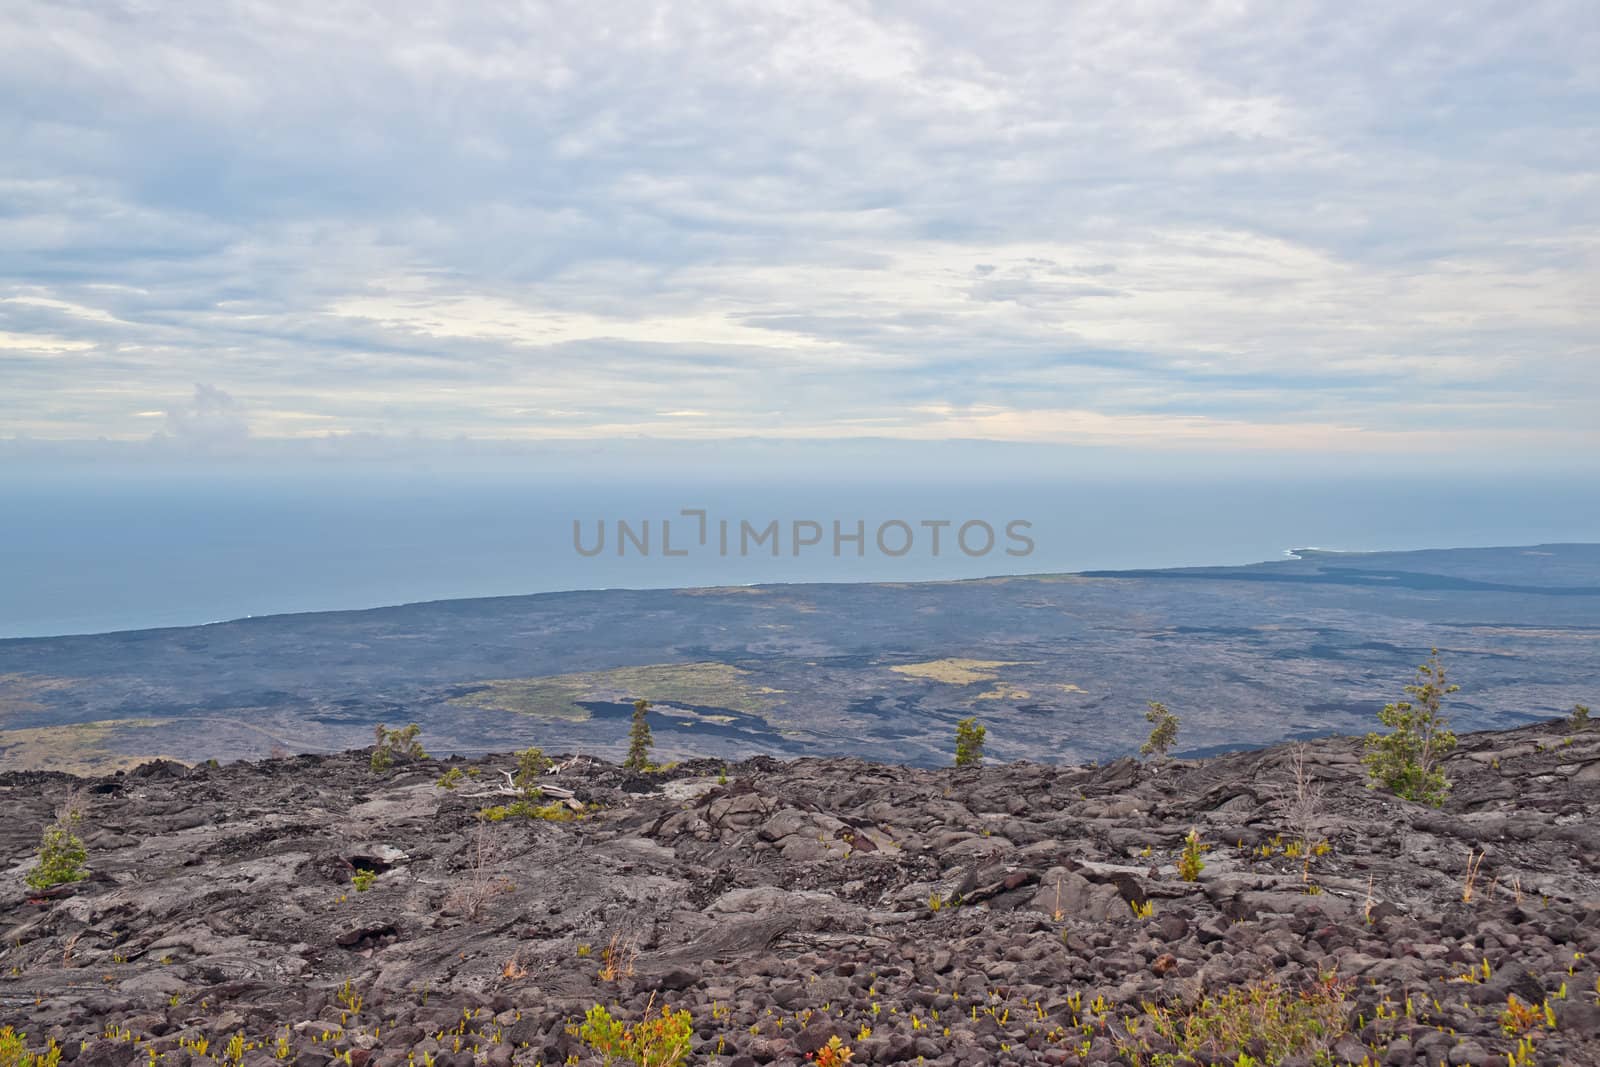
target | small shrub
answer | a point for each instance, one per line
(474, 892)
(662, 1041)
(14, 1051)
(531, 763)
(835, 1053)
(1163, 730)
(970, 734)
(555, 811)
(1580, 716)
(391, 743)
(349, 997)
(450, 779)
(61, 851)
(363, 879)
(639, 739)
(1191, 862)
(1520, 1018)
(1406, 760)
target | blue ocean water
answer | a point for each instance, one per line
(90, 553)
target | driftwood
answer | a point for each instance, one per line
(509, 789)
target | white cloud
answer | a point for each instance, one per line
(1259, 225)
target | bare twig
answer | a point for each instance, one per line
(470, 898)
(1474, 861)
(1303, 808)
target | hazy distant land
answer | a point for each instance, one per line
(1058, 666)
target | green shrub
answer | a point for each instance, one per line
(363, 879)
(1192, 861)
(531, 763)
(970, 734)
(555, 811)
(1163, 730)
(392, 743)
(61, 856)
(14, 1051)
(1580, 716)
(1406, 759)
(659, 1042)
(450, 779)
(639, 739)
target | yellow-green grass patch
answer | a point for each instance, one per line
(955, 671)
(84, 748)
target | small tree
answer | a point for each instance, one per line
(531, 763)
(969, 742)
(1580, 716)
(1163, 730)
(61, 858)
(639, 739)
(1406, 759)
(391, 743)
(61, 851)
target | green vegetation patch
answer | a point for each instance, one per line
(561, 696)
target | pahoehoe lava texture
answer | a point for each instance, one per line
(793, 902)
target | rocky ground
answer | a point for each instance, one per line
(1010, 914)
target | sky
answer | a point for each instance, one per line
(1150, 233)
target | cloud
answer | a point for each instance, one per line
(1248, 226)
(210, 418)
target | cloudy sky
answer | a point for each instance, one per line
(1365, 229)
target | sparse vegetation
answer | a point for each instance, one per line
(1191, 862)
(970, 734)
(62, 854)
(555, 811)
(639, 739)
(469, 898)
(1406, 760)
(14, 1051)
(1304, 810)
(662, 1041)
(1264, 1024)
(531, 763)
(363, 879)
(1470, 883)
(1580, 717)
(1163, 730)
(450, 779)
(617, 958)
(835, 1053)
(392, 743)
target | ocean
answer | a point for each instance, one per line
(88, 553)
